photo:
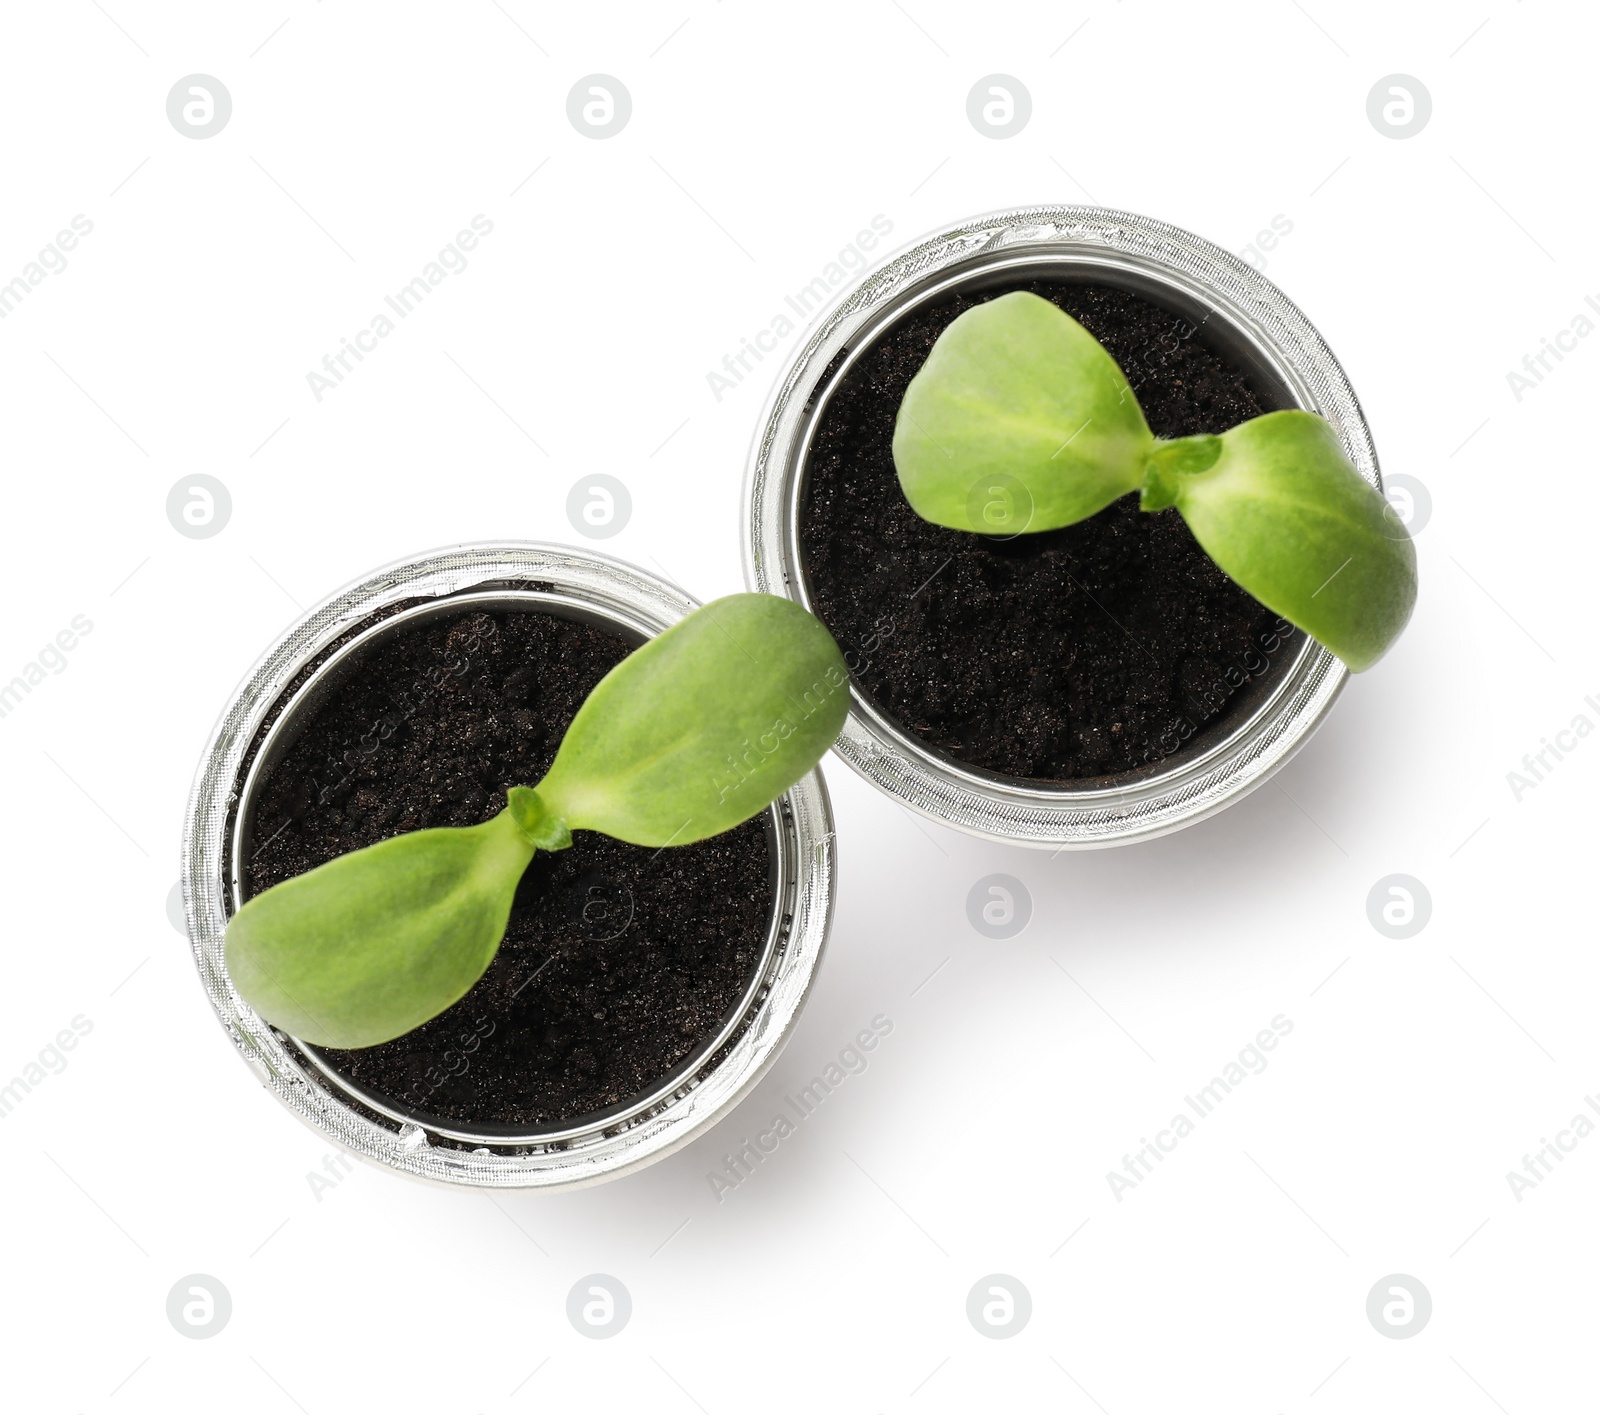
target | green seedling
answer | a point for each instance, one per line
(1020, 421)
(697, 730)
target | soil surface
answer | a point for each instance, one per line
(618, 962)
(1089, 651)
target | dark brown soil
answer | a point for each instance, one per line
(1082, 652)
(618, 962)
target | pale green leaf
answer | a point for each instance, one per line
(1286, 516)
(374, 943)
(1018, 421)
(703, 726)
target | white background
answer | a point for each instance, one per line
(1235, 1278)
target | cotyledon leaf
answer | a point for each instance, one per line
(702, 726)
(374, 943)
(1019, 420)
(1276, 503)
